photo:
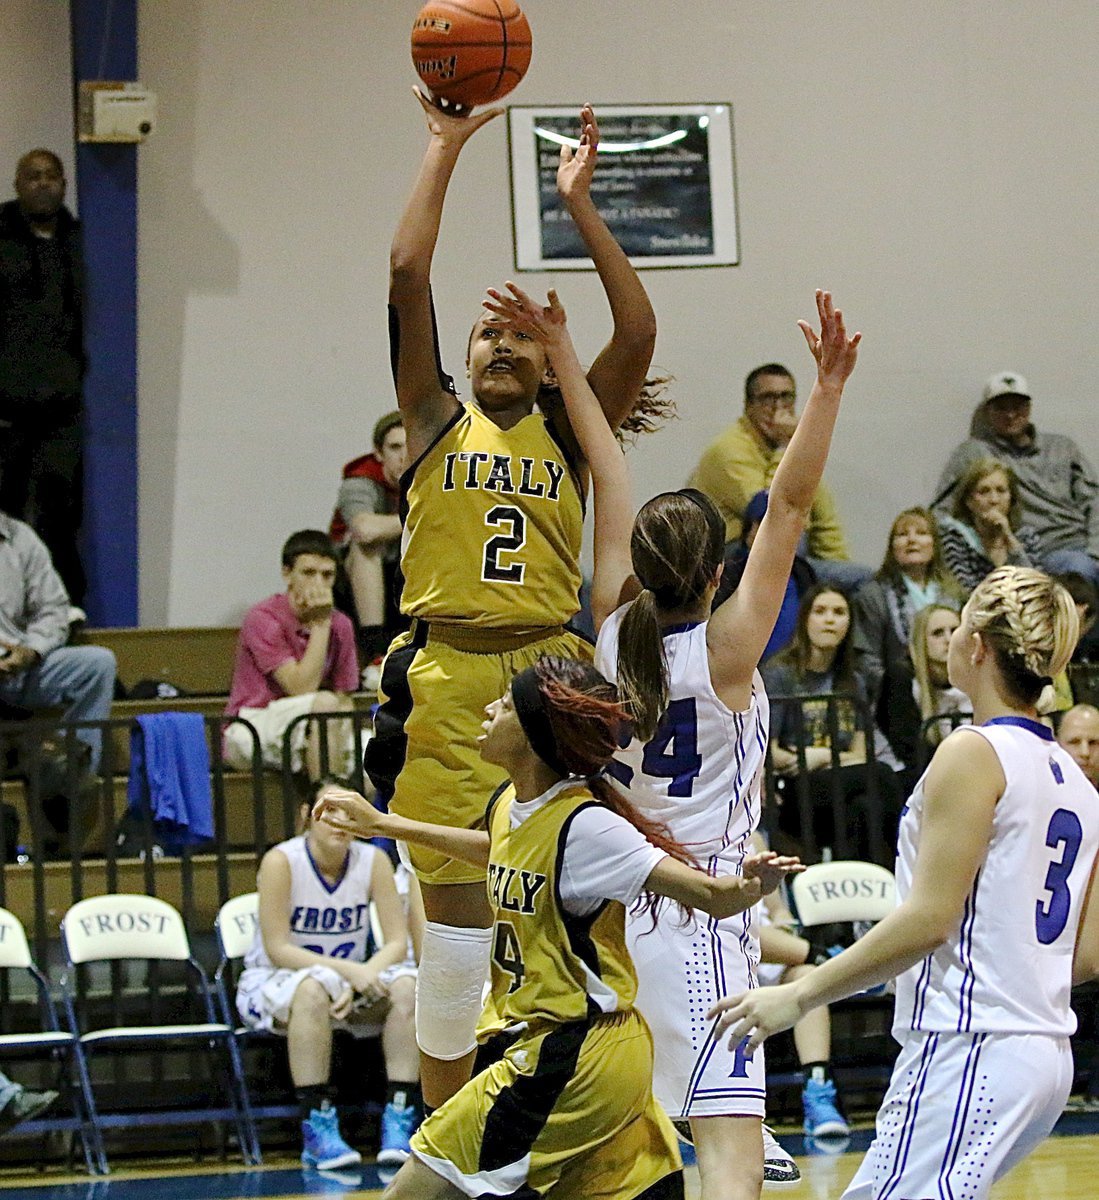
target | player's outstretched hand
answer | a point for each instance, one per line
(347, 811)
(757, 1014)
(452, 122)
(547, 323)
(576, 168)
(770, 869)
(834, 351)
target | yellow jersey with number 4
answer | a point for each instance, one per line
(547, 964)
(493, 522)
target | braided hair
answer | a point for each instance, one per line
(1030, 622)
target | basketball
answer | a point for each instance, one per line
(470, 51)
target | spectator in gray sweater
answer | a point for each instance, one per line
(37, 669)
(1058, 487)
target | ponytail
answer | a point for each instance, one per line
(642, 668)
(677, 547)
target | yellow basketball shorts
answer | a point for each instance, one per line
(424, 757)
(567, 1112)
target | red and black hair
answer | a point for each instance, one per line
(579, 709)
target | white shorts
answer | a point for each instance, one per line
(770, 974)
(271, 723)
(961, 1110)
(682, 969)
(264, 996)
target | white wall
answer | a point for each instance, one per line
(35, 66)
(935, 164)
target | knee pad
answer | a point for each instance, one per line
(449, 988)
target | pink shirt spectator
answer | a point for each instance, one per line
(271, 635)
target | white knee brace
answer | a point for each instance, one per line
(449, 988)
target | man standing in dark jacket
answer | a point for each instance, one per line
(42, 362)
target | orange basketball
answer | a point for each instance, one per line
(470, 51)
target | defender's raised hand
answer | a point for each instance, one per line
(757, 1014)
(547, 323)
(835, 352)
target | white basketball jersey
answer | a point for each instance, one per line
(334, 921)
(1007, 968)
(700, 774)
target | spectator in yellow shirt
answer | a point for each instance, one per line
(742, 461)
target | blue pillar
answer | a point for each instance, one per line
(104, 38)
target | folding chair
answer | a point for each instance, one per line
(123, 927)
(236, 925)
(844, 890)
(54, 1042)
(857, 892)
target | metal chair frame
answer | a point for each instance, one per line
(62, 1045)
(168, 943)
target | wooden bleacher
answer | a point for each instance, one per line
(240, 812)
(203, 899)
(198, 660)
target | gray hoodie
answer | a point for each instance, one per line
(1057, 486)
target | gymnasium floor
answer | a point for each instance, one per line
(1066, 1167)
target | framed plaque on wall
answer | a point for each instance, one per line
(665, 185)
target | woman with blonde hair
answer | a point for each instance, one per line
(984, 530)
(934, 694)
(912, 698)
(995, 925)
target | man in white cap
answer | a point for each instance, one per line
(1057, 484)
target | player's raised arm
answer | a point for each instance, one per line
(740, 627)
(424, 400)
(620, 369)
(598, 445)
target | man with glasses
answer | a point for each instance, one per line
(742, 461)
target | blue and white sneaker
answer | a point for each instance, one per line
(398, 1126)
(324, 1148)
(822, 1117)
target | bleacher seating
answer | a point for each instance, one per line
(199, 661)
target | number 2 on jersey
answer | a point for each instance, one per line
(498, 516)
(1051, 916)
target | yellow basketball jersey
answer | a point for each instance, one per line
(493, 526)
(547, 964)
